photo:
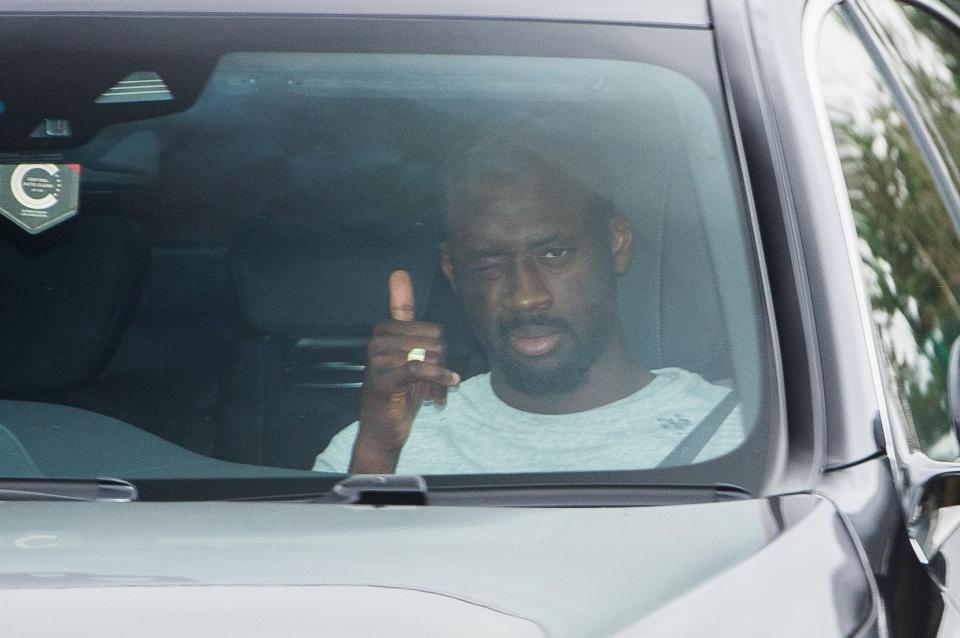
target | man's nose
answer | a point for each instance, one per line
(529, 291)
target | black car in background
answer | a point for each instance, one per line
(201, 202)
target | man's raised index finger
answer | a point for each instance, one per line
(401, 296)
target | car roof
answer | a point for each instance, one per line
(687, 13)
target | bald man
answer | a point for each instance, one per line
(533, 256)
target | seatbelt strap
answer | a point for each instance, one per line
(700, 435)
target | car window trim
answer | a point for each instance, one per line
(799, 439)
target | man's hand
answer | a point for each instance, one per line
(393, 387)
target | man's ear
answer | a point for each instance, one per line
(446, 265)
(621, 243)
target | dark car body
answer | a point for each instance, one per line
(845, 528)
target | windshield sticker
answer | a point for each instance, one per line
(39, 196)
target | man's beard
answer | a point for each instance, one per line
(569, 373)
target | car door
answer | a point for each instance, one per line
(888, 72)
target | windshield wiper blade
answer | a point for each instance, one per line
(587, 494)
(111, 490)
(399, 489)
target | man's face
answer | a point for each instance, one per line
(535, 272)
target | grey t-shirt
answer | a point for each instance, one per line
(476, 432)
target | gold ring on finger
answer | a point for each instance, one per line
(416, 354)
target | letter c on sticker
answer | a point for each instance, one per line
(16, 186)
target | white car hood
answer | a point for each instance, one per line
(269, 568)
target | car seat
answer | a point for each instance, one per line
(80, 331)
(309, 301)
(668, 299)
(69, 294)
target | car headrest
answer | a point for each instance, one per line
(68, 296)
(668, 298)
(327, 280)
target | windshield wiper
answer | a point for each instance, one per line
(399, 489)
(49, 489)
(380, 489)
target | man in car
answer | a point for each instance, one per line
(533, 255)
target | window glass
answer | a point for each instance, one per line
(909, 249)
(576, 247)
(926, 49)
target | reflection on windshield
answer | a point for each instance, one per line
(910, 252)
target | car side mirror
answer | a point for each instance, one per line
(933, 487)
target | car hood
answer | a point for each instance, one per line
(366, 571)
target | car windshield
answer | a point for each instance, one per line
(258, 248)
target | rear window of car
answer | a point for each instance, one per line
(247, 187)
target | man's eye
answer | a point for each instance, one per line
(486, 269)
(556, 253)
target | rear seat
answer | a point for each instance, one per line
(309, 302)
